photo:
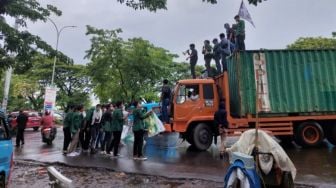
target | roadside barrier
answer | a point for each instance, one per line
(57, 180)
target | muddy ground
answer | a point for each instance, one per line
(34, 175)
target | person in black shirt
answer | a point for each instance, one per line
(193, 59)
(21, 121)
(165, 100)
(220, 119)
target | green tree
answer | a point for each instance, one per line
(28, 89)
(24, 44)
(313, 43)
(154, 5)
(125, 70)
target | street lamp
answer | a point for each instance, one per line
(58, 33)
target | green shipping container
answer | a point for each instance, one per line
(290, 82)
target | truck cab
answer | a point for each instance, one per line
(193, 105)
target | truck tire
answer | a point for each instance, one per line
(202, 136)
(309, 134)
(331, 134)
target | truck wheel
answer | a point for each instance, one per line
(309, 134)
(36, 128)
(331, 134)
(287, 180)
(202, 136)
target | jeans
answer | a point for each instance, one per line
(106, 142)
(165, 104)
(19, 136)
(94, 133)
(100, 138)
(224, 62)
(84, 138)
(218, 65)
(67, 138)
(115, 143)
(241, 42)
(138, 143)
(208, 66)
(192, 69)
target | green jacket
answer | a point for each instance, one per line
(117, 120)
(240, 28)
(138, 123)
(68, 119)
(107, 121)
(77, 121)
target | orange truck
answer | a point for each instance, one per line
(296, 98)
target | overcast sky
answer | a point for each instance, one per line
(278, 23)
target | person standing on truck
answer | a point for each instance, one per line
(225, 50)
(139, 131)
(207, 52)
(21, 121)
(220, 120)
(240, 33)
(66, 128)
(165, 100)
(217, 54)
(193, 57)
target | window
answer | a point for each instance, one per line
(208, 91)
(187, 93)
(208, 95)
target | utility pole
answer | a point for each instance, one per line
(8, 77)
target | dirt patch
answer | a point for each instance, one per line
(33, 174)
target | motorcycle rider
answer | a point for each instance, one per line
(48, 122)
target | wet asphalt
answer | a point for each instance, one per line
(315, 166)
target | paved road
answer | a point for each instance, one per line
(315, 166)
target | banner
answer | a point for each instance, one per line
(50, 98)
(244, 13)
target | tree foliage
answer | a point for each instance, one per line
(154, 5)
(24, 44)
(313, 43)
(28, 89)
(126, 69)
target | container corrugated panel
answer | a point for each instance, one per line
(298, 81)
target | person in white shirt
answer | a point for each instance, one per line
(95, 127)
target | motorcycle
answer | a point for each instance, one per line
(48, 134)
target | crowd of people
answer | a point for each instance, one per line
(100, 128)
(233, 42)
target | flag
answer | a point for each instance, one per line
(244, 14)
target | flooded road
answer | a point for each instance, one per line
(316, 166)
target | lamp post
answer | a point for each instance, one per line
(58, 33)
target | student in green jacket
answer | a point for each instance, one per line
(139, 131)
(85, 134)
(77, 119)
(66, 128)
(117, 126)
(107, 127)
(240, 33)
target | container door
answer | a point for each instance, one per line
(209, 105)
